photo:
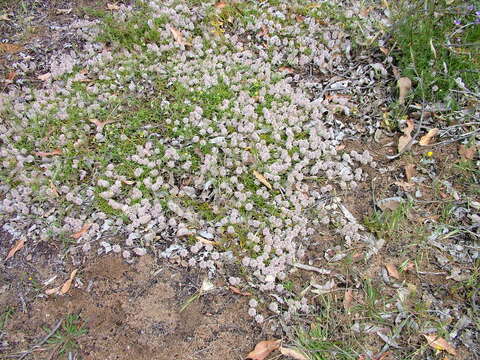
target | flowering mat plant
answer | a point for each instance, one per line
(247, 160)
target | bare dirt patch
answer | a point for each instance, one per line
(133, 312)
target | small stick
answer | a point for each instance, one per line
(43, 341)
(312, 268)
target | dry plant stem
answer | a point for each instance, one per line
(407, 147)
(312, 268)
(43, 341)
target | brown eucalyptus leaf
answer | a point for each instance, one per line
(404, 140)
(237, 291)
(18, 245)
(263, 349)
(66, 286)
(392, 271)
(82, 231)
(439, 343)
(48, 153)
(409, 171)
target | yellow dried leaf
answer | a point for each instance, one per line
(294, 354)
(263, 349)
(392, 271)
(113, 7)
(66, 286)
(439, 343)
(427, 139)
(205, 241)
(262, 179)
(18, 245)
(177, 35)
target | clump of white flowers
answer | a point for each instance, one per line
(186, 172)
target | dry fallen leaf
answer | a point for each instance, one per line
(10, 48)
(404, 140)
(392, 271)
(64, 11)
(10, 76)
(427, 139)
(237, 291)
(439, 343)
(44, 77)
(467, 153)
(205, 241)
(347, 299)
(4, 17)
(286, 69)
(409, 171)
(82, 231)
(66, 286)
(177, 35)
(263, 31)
(100, 124)
(54, 189)
(405, 185)
(294, 354)
(18, 245)
(52, 291)
(113, 7)
(263, 349)
(220, 4)
(404, 84)
(262, 179)
(48, 153)
(391, 203)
